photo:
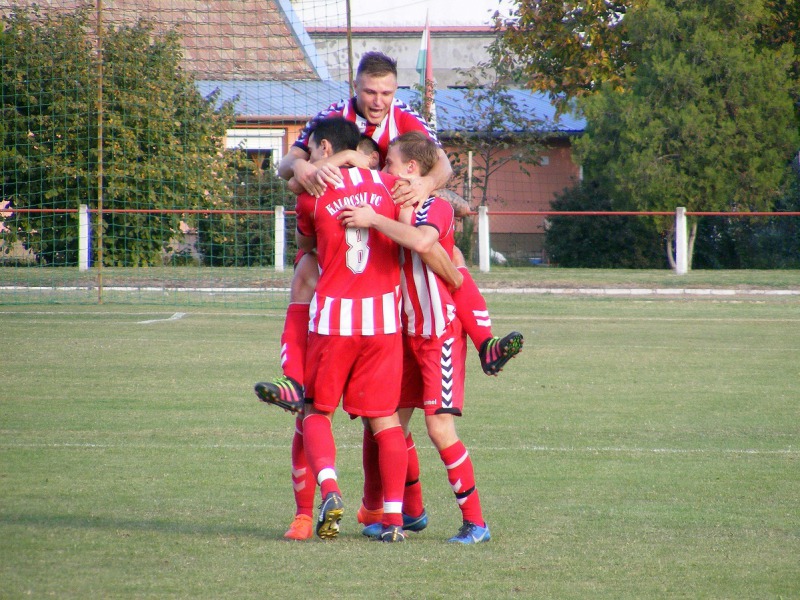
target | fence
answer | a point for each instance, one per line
(187, 283)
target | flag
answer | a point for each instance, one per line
(425, 70)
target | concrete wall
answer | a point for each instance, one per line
(451, 48)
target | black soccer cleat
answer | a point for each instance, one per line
(496, 352)
(284, 392)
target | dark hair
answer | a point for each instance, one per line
(367, 145)
(419, 147)
(376, 64)
(340, 133)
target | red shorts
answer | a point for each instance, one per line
(433, 372)
(363, 369)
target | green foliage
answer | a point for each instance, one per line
(706, 121)
(567, 49)
(245, 239)
(47, 89)
(751, 243)
(600, 242)
(162, 142)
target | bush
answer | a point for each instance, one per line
(600, 242)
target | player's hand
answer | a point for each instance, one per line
(306, 175)
(329, 175)
(362, 215)
(360, 160)
(412, 193)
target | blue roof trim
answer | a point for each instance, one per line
(303, 39)
(304, 99)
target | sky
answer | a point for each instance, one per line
(399, 13)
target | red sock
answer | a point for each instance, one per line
(461, 476)
(393, 458)
(294, 340)
(321, 451)
(373, 491)
(302, 478)
(412, 498)
(472, 311)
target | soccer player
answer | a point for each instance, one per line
(287, 391)
(354, 343)
(382, 117)
(434, 347)
(378, 115)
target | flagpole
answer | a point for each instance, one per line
(349, 48)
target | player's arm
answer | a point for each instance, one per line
(295, 165)
(410, 193)
(423, 240)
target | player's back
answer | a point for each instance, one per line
(358, 288)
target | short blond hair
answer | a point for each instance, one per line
(417, 146)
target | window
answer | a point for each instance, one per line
(264, 143)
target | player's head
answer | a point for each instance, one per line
(331, 136)
(375, 85)
(369, 147)
(412, 154)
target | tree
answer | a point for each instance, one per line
(567, 49)
(705, 122)
(162, 142)
(494, 127)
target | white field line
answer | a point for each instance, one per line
(522, 448)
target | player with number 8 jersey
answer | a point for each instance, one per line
(354, 339)
(358, 290)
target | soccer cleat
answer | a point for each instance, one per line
(470, 533)
(419, 523)
(283, 391)
(366, 516)
(496, 352)
(415, 523)
(300, 529)
(330, 513)
(392, 533)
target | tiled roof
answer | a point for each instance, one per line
(223, 39)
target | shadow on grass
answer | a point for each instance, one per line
(153, 525)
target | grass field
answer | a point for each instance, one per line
(637, 448)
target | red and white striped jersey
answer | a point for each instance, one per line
(428, 307)
(400, 119)
(358, 292)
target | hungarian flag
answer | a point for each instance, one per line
(425, 70)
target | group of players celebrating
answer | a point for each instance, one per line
(380, 307)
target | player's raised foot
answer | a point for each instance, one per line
(300, 529)
(282, 391)
(496, 352)
(415, 523)
(366, 516)
(471, 533)
(330, 513)
(392, 533)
